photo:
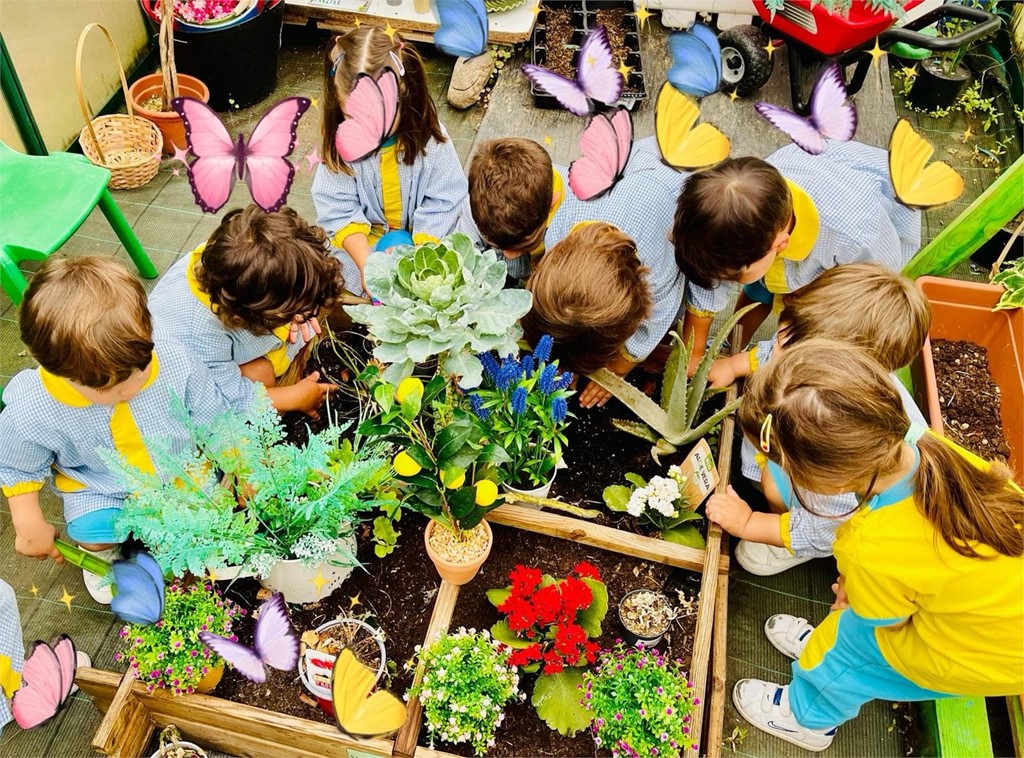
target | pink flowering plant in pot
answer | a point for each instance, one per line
(168, 654)
(641, 703)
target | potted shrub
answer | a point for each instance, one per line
(319, 649)
(640, 703)
(466, 683)
(172, 746)
(168, 654)
(645, 616)
(664, 502)
(302, 503)
(524, 403)
(152, 94)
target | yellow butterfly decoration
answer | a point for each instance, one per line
(359, 713)
(918, 184)
(683, 146)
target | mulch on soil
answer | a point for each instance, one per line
(612, 20)
(969, 398)
(560, 56)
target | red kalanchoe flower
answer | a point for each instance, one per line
(548, 604)
(553, 663)
(525, 580)
(576, 596)
(568, 638)
(521, 613)
(589, 570)
(525, 656)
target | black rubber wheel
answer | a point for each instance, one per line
(746, 64)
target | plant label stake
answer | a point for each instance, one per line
(701, 473)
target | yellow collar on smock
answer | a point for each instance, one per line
(801, 240)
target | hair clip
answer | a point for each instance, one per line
(766, 434)
(397, 61)
(336, 60)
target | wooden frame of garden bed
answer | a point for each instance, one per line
(132, 714)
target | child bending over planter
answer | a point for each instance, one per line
(521, 206)
(104, 386)
(930, 596)
(774, 225)
(376, 187)
(246, 301)
(861, 304)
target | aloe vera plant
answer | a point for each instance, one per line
(670, 425)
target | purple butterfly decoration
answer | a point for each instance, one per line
(275, 643)
(831, 116)
(597, 78)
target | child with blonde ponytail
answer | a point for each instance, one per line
(930, 597)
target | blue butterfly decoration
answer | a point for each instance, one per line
(696, 61)
(463, 29)
(139, 596)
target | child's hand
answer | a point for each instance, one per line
(722, 373)
(35, 540)
(729, 511)
(842, 602)
(310, 394)
(306, 329)
(593, 395)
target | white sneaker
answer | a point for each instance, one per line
(99, 586)
(83, 661)
(789, 634)
(766, 706)
(765, 560)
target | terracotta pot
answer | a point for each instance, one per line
(457, 573)
(963, 311)
(210, 679)
(299, 583)
(169, 123)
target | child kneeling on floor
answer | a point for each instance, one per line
(861, 304)
(930, 596)
(104, 386)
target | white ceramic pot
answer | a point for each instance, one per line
(313, 662)
(542, 491)
(300, 583)
(180, 743)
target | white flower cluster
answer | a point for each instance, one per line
(314, 548)
(263, 563)
(659, 495)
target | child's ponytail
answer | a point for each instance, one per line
(418, 121)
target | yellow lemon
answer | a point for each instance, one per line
(453, 478)
(486, 492)
(409, 386)
(405, 465)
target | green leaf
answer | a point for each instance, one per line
(411, 406)
(636, 479)
(557, 700)
(462, 502)
(493, 453)
(502, 633)
(418, 454)
(450, 441)
(590, 618)
(616, 496)
(687, 535)
(499, 595)
(384, 394)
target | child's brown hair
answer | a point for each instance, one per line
(864, 304)
(727, 218)
(590, 294)
(838, 424)
(510, 192)
(86, 319)
(367, 50)
(261, 269)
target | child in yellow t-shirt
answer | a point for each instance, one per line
(930, 597)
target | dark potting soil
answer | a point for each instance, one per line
(523, 733)
(560, 57)
(970, 400)
(394, 594)
(612, 20)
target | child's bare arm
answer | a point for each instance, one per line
(358, 246)
(306, 395)
(696, 328)
(34, 535)
(725, 371)
(732, 513)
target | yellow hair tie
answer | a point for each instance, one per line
(766, 434)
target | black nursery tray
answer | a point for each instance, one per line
(584, 18)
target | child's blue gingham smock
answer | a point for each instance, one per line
(12, 651)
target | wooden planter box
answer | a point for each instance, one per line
(132, 714)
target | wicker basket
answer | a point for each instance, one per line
(127, 146)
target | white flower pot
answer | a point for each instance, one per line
(180, 743)
(542, 491)
(300, 583)
(324, 662)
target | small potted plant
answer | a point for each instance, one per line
(168, 654)
(466, 684)
(172, 746)
(319, 649)
(641, 703)
(645, 616)
(524, 403)
(664, 502)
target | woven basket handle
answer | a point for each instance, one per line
(78, 82)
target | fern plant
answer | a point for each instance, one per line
(671, 424)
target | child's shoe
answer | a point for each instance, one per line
(788, 634)
(82, 661)
(766, 560)
(766, 706)
(99, 586)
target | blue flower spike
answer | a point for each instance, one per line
(559, 410)
(476, 404)
(519, 401)
(543, 350)
(546, 383)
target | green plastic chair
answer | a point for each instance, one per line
(43, 201)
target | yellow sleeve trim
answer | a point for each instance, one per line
(787, 541)
(22, 488)
(420, 237)
(698, 312)
(629, 356)
(348, 230)
(10, 680)
(754, 363)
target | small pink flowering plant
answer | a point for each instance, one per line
(641, 703)
(202, 11)
(168, 654)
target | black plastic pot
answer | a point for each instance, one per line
(631, 638)
(933, 88)
(987, 254)
(238, 64)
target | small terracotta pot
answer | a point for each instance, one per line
(457, 573)
(169, 123)
(210, 679)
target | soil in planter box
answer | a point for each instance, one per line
(395, 594)
(969, 398)
(612, 20)
(560, 56)
(523, 733)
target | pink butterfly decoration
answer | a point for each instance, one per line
(605, 146)
(597, 78)
(831, 116)
(370, 113)
(47, 679)
(261, 162)
(275, 643)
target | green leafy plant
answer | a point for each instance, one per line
(673, 423)
(168, 654)
(298, 500)
(893, 8)
(466, 684)
(1012, 278)
(440, 299)
(659, 502)
(641, 703)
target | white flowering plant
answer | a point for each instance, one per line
(661, 503)
(466, 684)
